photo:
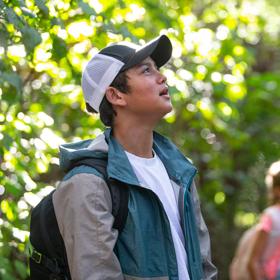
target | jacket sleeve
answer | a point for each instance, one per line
(210, 271)
(83, 210)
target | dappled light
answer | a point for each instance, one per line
(223, 80)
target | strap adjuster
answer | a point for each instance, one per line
(36, 256)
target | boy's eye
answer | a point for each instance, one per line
(146, 69)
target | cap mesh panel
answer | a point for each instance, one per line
(97, 76)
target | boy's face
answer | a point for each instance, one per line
(148, 95)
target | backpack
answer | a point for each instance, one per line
(48, 259)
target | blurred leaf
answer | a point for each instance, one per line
(13, 79)
(4, 35)
(87, 9)
(27, 12)
(30, 38)
(59, 50)
(13, 18)
(21, 269)
(42, 6)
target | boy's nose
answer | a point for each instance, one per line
(162, 78)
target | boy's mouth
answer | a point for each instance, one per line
(164, 92)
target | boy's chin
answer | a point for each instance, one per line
(169, 110)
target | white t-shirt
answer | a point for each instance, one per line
(152, 174)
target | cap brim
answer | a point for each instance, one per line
(160, 50)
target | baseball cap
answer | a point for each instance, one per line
(104, 66)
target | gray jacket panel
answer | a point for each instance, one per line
(86, 227)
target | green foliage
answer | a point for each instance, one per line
(225, 85)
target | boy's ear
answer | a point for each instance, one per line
(115, 97)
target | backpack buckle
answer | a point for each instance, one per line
(36, 256)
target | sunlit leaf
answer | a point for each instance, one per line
(6, 208)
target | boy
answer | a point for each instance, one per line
(164, 236)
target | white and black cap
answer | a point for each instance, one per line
(104, 66)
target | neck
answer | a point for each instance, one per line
(137, 140)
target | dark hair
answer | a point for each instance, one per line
(106, 110)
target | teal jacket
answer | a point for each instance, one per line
(144, 249)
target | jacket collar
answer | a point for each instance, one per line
(178, 167)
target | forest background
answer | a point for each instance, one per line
(224, 80)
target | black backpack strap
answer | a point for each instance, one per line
(50, 263)
(100, 164)
(119, 194)
(118, 190)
